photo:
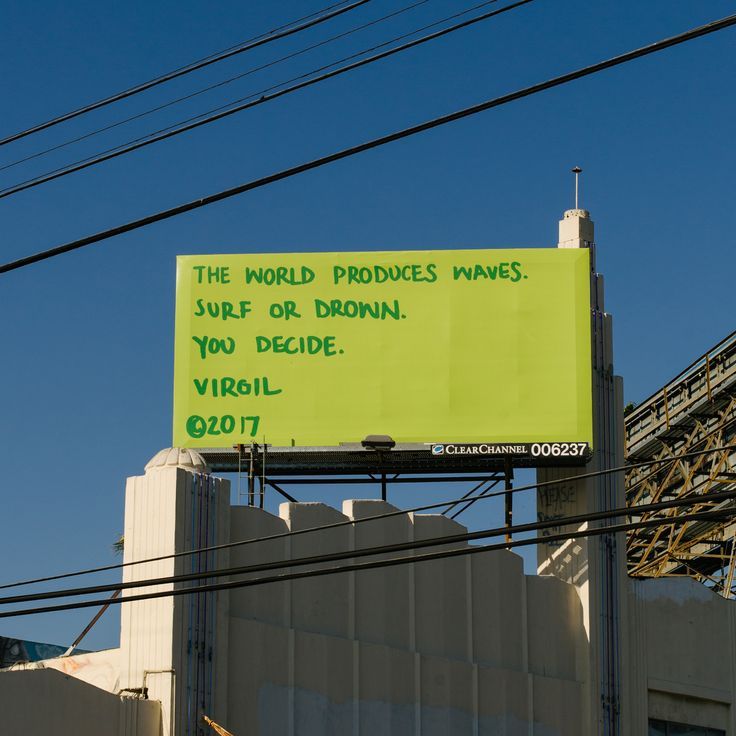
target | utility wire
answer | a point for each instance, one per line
(697, 467)
(358, 567)
(399, 512)
(703, 30)
(262, 96)
(390, 514)
(577, 519)
(222, 83)
(289, 29)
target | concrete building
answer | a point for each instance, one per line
(463, 645)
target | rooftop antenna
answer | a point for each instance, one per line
(577, 171)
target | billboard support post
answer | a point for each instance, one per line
(508, 471)
(251, 476)
(262, 498)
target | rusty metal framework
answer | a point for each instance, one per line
(695, 411)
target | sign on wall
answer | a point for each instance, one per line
(312, 349)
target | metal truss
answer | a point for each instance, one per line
(696, 411)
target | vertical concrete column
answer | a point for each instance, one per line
(175, 646)
(443, 604)
(382, 606)
(319, 606)
(596, 565)
(382, 616)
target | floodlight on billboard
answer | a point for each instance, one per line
(461, 347)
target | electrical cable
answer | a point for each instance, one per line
(642, 565)
(655, 47)
(289, 29)
(727, 428)
(358, 567)
(388, 515)
(222, 83)
(576, 519)
(261, 97)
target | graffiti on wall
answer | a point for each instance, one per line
(13, 651)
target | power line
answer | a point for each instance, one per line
(215, 114)
(262, 96)
(369, 145)
(289, 29)
(222, 83)
(358, 567)
(376, 517)
(577, 519)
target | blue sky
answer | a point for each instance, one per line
(87, 338)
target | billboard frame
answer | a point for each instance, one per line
(462, 434)
(354, 459)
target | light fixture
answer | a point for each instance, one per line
(378, 442)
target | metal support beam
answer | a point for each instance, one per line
(695, 411)
(508, 499)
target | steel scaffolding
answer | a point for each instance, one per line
(695, 411)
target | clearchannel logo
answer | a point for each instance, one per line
(524, 449)
(484, 448)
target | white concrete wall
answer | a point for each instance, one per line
(683, 653)
(168, 644)
(467, 645)
(46, 702)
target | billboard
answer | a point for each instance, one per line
(445, 346)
